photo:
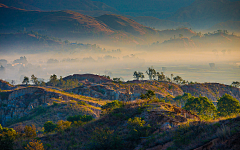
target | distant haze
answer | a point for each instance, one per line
(195, 39)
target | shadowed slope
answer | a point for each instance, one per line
(121, 23)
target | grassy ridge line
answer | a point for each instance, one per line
(76, 96)
(70, 95)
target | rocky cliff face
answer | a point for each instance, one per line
(132, 90)
(127, 91)
(20, 102)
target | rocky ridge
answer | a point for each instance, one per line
(133, 89)
(20, 102)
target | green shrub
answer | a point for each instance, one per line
(137, 129)
(227, 105)
(104, 138)
(4, 105)
(62, 125)
(148, 95)
(35, 145)
(7, 137)
(40, 110)
(84, 118)
(202, 106)
(162, 100)
(82, 103)
(30, 132)
(223, 132)
(55, 104)
(49, 126)
(110, 106)
(143, 96)
(182, 136)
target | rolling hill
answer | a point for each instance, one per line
(159, 24)
(217, 39)
(231, 26)
(202, 14)
(155, 123)
(120, 23)
(57, 22)
(25, 41)
(73, 25)
(48, 5)
(155, 8)
(86, 7)
(76, 26)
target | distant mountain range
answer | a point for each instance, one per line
(231, 26)
(204, 14)
(154, 8)
(62, 22)
(120, 23)
(196, 14)
(159, 24)
(87, 7)
(70, 24)
(49, 5)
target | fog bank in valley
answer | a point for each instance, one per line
(192, 64)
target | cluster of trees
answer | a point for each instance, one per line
(236, 84)
(226, 106)
(9, 135)
(182, 100)
(34, 80)
(53, 81)
(159, 76)
(137, 75)
(63, 84)
(49, 126)
(61, 125)
(84, 118)
(68, 84)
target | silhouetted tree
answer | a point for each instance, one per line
(116, 79)
(12, 82)
(34, 80)
(151, 72)
(25, 80)
(161, 77)
(178, 79)
(168, 79)
(53, 80)
(138, 75)
(142, 76)
(236, 84)
(171, 77)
